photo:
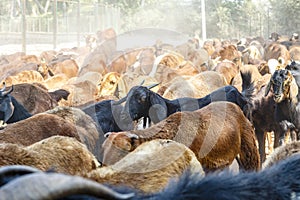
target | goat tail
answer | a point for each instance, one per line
(248, 88)
(249, 158)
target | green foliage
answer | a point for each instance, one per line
(285, 14)
(224, 18)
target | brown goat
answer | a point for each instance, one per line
(228, 69)
(34, 97)
(193, 86)
(86, 126)
(276, 51)
(150, 167)
(36, 128)
(63, 154)
(216, 134)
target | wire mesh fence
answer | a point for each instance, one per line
(53, 21)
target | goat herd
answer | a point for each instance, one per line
(156, 122)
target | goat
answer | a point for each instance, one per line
(36, 128)
(44, 69)
(278, 182)
(262, 114)
(142, 102)
(34, 97)
(294, 67)
(196, 86)
(217, 133)
(86, 126)
(150, 166)
(281, 181)
(61, 153)
(26, 76)
(11, 172)
(10, 109)
(108, 84)
(281, 153)
(59, 94)
(106, 114)
(40, 185)
(275, 51)
(285, 95)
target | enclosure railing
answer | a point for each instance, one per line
(65, 21)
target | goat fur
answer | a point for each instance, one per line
(216, 133)
(150, 166)
(63, 154)
(281, 181)
(36, 128)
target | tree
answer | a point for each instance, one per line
(284, 14)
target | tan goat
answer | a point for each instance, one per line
(150, 167)
(60, 153)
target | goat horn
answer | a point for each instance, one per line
(4, 87)
(143, 81)
(132, 135)
(107, 134)
(152, 86)
(120, 101)
(56, 186)
(9, 91)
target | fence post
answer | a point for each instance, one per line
(78, 24)
(54, 23)
(203, 20)
(24, 26)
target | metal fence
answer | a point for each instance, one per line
(66, 21)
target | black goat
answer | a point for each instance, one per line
(281, 181)
(263, 115)
(10, 109)
(286, 95)
(107, 116)
(142, 102)
(294, 67)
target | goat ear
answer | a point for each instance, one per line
(268, 88)
(293, 89)
(9, 91)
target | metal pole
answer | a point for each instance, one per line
(24, 26)
(78, 24)
(203, 20)
(268, 23)
(54, 23)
